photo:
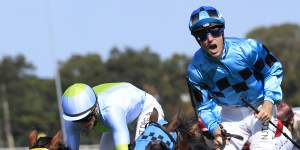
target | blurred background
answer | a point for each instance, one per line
(46, 45)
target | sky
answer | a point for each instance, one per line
(47, 31)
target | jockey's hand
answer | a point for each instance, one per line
(218, 140)
(265, 113)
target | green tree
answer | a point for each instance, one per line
(173, 83)
(30, 99)
(137, 67)
(37, 108)
(87, 69)
(11, 72)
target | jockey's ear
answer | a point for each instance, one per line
(32, 137)
(56, 140)
(154, 116)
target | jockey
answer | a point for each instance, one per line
(112, 106)
(225, 71)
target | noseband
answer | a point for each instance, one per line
(155, 133)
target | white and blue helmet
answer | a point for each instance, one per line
(205, 16)
(78, 101)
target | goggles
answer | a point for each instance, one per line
(89, 117)
(215, 31)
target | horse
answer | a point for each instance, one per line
(181, 133)
(46, 142)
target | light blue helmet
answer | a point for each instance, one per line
(78, 101)
(205, 16)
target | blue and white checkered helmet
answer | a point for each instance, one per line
(78, 101)
(205, 16)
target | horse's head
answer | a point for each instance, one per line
(45, 142)
(160, 135)
(192, 137)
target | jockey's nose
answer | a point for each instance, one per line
(209, 37)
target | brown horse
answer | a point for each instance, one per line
(181, 133)
(45, 143)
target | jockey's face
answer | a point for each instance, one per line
(282, 111)
(89, 123)
(211, 39)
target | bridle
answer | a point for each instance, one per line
(155, 133)
(43, 142)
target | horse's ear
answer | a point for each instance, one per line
(154, 115)
(174, 123)
(32, 137)
(56, 140)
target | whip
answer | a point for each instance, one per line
(256, 111)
